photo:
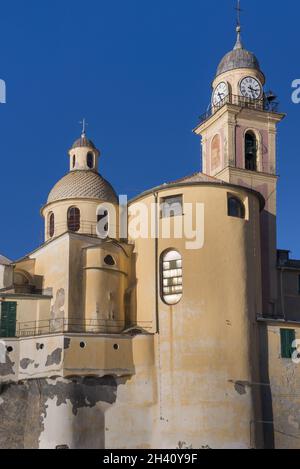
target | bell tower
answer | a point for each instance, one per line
(239, 145)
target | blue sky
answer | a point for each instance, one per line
(140, 72)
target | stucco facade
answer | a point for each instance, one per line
(170, 332)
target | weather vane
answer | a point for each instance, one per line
(84, 126)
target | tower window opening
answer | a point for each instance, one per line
(74, 161)
(250, 152)
(90, 160)
(74, 219)
(236, 208)
(171, 277)
(102, 216)
(171, 206)
(51, 224)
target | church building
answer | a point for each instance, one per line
(130, 341)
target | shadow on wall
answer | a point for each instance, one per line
(266, 394)
(61, 413)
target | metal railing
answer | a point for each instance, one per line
(86, 227)
(78, 326)
(262, 104)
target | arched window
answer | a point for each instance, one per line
(51, 224)
(100, 217)
(90, 160)
(250, 151)
(171, 277)
(236, 208)
(73, 219)
(74, 161)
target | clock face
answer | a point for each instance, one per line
(251, 88)
(220, 93)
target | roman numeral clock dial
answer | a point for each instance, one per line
(220, 93)
(251, 88)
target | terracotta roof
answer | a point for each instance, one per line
(197, 177)
(83, 184)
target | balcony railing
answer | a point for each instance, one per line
(262, 104)
(76, 326)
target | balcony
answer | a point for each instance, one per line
(75, 326)
(263, 104)
(47, 349)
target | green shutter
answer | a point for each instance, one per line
(8, 317)
(287, 338)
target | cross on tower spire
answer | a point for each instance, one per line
(84, 125)
(238, 9)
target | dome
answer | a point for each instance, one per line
(238, 58)
(83, 185)
(83, 142)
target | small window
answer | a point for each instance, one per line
(74, 219)
(287, 336)
(171, 206)
(74, 161)
(236, 208)
(171, 277)
(109, 260)
(90, 160)
(51, 224)
(250, 152)
(101, 217)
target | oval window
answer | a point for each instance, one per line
(171, 277)
(109, 260)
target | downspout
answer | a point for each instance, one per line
(156, 263)
(281, 293)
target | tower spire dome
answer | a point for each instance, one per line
(239, 57)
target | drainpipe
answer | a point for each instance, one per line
(281, 293)
(155, 194)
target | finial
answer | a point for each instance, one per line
(84, 125)
(238, 44)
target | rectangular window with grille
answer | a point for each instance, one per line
(287, 336)
(171, 206)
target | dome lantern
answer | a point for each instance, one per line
(84, 156)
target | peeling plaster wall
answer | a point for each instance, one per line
(47, 413)
(285, 388)
(72, 355)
